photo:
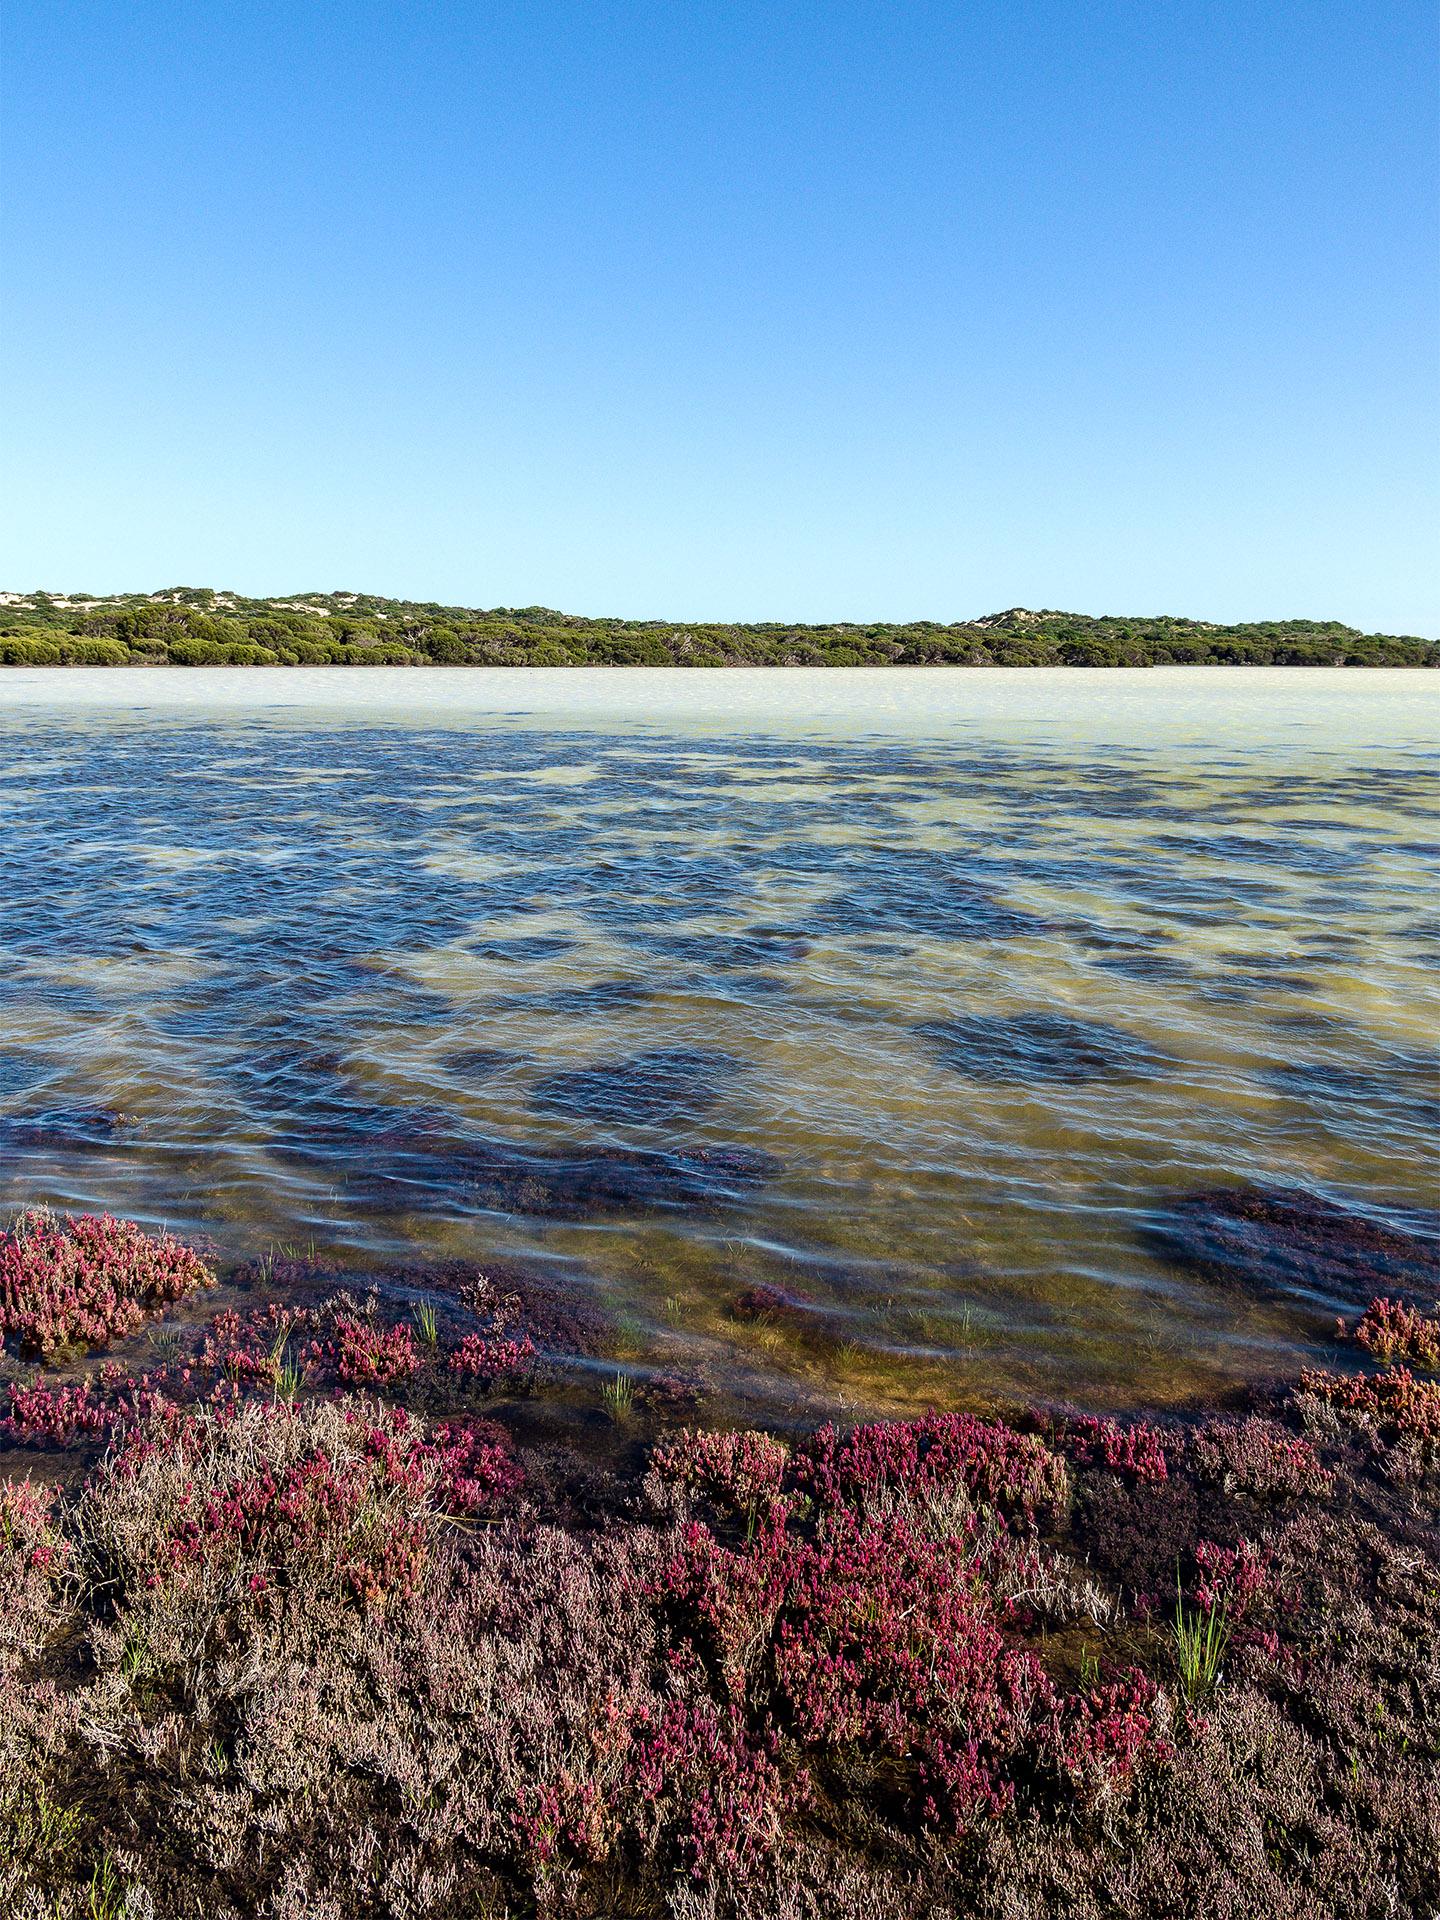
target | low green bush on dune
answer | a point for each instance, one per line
(198, 627)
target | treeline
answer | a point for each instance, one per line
(196, 627)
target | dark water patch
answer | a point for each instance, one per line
(944, 906)
(1145, 966)
(480, 1063)
(665, 1085)
(1038, 1049)
(309, 1104)
(629, 889)
(361, 1142)
(1177, 894)
(1340, 905)
(68, 1128)
(1328, 945)
(380, 995)
(22, 1073)
(747, 815)
(719, 952)
(1241, 988)
(1274, 963)
(55, 996)
(401, 1001)
(524, 948)
(396, 1160)
(1290, 1244)
(1102, 939)
(1294, 853)
(1192, 916)
(582, 1183)
(1404, 1089)
(736, 985)
(792, 941)
(290, 1011)
(598, 996)
(811, 859)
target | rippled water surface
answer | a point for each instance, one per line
(930, 1000)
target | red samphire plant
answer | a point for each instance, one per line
(87, 1279)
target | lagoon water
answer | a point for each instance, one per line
(921, 997)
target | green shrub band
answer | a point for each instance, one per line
(195, 627)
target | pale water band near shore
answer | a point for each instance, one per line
(1344, 709)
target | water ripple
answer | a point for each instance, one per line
(953, 1039)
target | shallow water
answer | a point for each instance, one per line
(919, 996)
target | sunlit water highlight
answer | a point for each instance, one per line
(918, 996)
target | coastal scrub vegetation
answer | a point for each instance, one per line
(192, 627)
(303, 1619)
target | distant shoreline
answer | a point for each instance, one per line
(201, 627)
(143, 665)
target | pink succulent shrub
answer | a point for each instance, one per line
(1015, 1473)
(1102, 1734)
(1257, 1457)
(34, 1555)
(1135, 1454)
(870, 1638)
(265, 1494)
(739, 1472)
(494, 1362)
(347, 1346)
(88, 1279)
(883, 1641)
(1392, 1332)
(765, 1303)
(563, 1819)
(712, 1791)
(255, 1658)
(90, 1409)
(42, 1413)
(376, 1699)
(248, 1349)
(477, 1474)
(1399, 1412)
(368, 1356)
(721, 1604)
(27, 1526)
(1233, 1577)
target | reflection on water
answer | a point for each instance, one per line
(955, 1008)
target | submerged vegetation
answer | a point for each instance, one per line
(310, 1612)
(196, 627)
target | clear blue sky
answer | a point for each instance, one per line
(742, 310)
